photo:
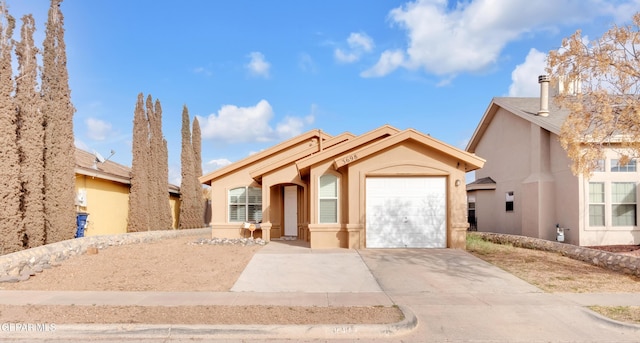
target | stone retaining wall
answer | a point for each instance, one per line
(21, 265)
(617, 262)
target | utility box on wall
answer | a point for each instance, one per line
(81, 197)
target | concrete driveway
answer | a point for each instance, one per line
(460, 298)
(455, 296)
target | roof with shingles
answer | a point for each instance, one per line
(525, 108)
(87, 164)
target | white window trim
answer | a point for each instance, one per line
(608, 215)
(245, 204)
(337, 198)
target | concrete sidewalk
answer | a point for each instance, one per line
(448, 295)
(89, 298)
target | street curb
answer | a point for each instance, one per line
(612, 322)
(67, 332)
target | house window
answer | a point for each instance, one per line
(245, 204)
(596, 204)
(627, 168)
(599, 166)
(328, 197)
(623, 204)
(509, 202)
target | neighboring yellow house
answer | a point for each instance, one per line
(102, 190)
(384, 189)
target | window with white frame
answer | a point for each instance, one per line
(623, 203)
(245, 204)
(596, 204)
(627, 168)
(328, 199)
(509, 197)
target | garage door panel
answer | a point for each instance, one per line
(406, 212)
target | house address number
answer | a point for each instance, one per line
(350, 158)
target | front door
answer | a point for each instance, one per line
(291, 211)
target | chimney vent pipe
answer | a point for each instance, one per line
(543, 80)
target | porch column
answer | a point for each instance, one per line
(266, 209)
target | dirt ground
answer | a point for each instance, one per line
(170, 265)
(553, 272)
(143, 267)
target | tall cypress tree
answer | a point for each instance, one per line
(159, 154)
(30, 138)
(59, 176)
(11, 231)
(139, 194)
(190, 216)
(152, 164)
(149, 207)
(196, 142)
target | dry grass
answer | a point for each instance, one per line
(629, 314)
(553, 272)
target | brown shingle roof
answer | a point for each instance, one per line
(87, 164)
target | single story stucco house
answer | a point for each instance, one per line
(102, 191)
(386, 188)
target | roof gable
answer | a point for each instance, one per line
(329, 143)
(472, 162)
(525, 108)
(322, 136)
(384, 131)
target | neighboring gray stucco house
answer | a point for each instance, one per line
(526, 187)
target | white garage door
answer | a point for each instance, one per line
(406, 212)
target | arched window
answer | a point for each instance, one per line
(328, 199)
(245, 204)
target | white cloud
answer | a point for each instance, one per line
(215, 164)
(389, 61)
(258, 66)
(97, 129)
(360, 41)
(345, 57)
(359, 44)
(293, 126)
(470, 35)
(81, 145)
(524, 78)
(306, 63)
(202, 70)
(250, 124)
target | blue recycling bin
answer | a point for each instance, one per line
(81, 223)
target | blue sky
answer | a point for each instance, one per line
(259, 72)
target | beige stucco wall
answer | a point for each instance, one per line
(505, 147)
(529, 160)
(406, 159)
(409, 155)
(241, 177)
(107, 205)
